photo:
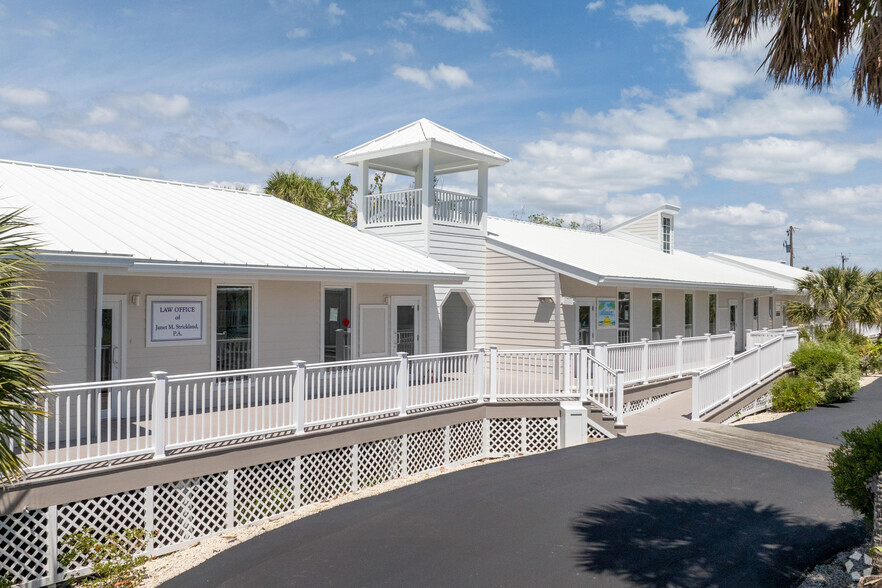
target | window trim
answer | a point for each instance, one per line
(255, 318)
(670, 244)
(630, 294)
(661, 316)
(355, 349)
(692, 318)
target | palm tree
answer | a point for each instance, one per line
(810, 39)
(22, 373)
(841, 297)
(335, 201)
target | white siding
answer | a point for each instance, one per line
(648, 228)
(59, 326)
(464, 249)
(515, 317)
(413, 236)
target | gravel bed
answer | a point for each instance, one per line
(166, 567)
(844, 571)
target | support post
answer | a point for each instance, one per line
(730, 368)
(299, 393)
(759, 365)
(696, 400)
(645, 360)
(494, 372)
(601, 352)
(567, 370)
(748, 334)
(731, 342)
(160, 387)
(584, 370)
(620, 398)
(679, 359)
(707, 350)
(401, 383)
(480, 373)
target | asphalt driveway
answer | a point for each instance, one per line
(825, 423)
(651, 510)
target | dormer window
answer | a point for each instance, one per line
(667, 223)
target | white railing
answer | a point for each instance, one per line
(756, 337)
(648, 361)
(456, 208)
(220, 406)
(403, 206)
(723, 382)
(108, 420)
(89, 422)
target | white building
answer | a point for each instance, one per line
(146, 275)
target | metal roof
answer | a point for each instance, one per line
(392, 149)
(86, 217)
(600, 258)
(764, 266)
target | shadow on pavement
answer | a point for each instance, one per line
(677, 542)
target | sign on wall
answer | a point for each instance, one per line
(777, 308)
(175, 320)
(606, 313)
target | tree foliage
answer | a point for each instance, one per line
(336, 200)
(540, 218)
(810, 39)
(22, 373)
(841, 297)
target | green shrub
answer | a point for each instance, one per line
(795, 393)
(834, 366)
(854, 465)
(114, 558)
(870, 357)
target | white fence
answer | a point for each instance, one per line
(757, 337)
(722, 383)
(647, 361)
(393, 207)
(456, 208)
(103, 421)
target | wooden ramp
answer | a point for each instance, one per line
(807, 454)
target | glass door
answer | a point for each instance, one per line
(234, 328)
(585, 337)
(111, 351)
(406, 324)
(338, 324)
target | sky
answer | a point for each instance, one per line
(606, 108)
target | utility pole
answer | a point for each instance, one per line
(844, 259)
(788, 246)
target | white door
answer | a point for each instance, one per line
(112, 352)
(734, 321)
(406, 321)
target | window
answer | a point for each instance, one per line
(755, 314)
(338, 324)
(233, 328)
(688, 318)
(656, 316)
(712, 314)
(624, 317)
(771, 310)
(667, 229)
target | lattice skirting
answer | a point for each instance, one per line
(760, 404)
(635, 406)
(183, 512)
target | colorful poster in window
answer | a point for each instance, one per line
(606, 313)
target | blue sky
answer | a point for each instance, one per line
(607, 108)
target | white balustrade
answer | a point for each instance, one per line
(456, 208)
(85, 423)
(107, 420)
(403, 206)
(710, 389)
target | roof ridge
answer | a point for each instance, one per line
(127, 176)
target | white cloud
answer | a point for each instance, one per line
(644, 13)
(219, 151)
(472, 18)
(821, 226)
(781, 161)
(857, 203)
(401, 48)
(20, 125)
(451, 75)
(43, 28)
(261, 121)
(753, 214)
(298, 33)
(99, 141)
(630, 205)
(322, 166)
(243, 186)
(346, 56)
(101, 115)
(413, 74)
(23, 96)
(567, 176)
(592, 6)
(153, 104)
(533, 60)
(335, 12)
